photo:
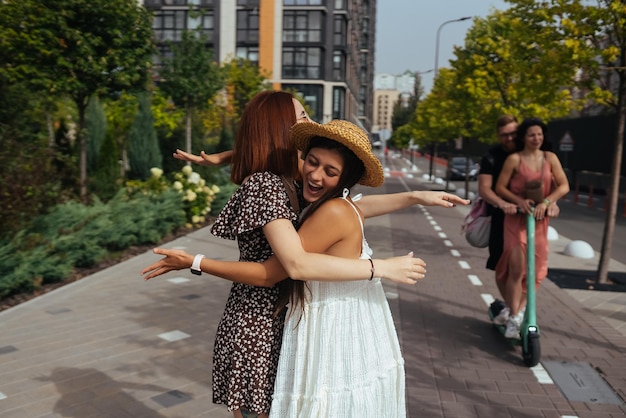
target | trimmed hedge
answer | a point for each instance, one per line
(73, 236)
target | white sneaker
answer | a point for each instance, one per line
(502, 317)
(512, 327)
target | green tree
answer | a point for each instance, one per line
(244, 80)
(107, 179)
(77, 48)
(95, 131)
(143, 146)
(597, 34)
(190, 77)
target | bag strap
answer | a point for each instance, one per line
(291, 193)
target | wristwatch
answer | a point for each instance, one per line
(195, 266)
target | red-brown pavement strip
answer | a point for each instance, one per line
(91, 349)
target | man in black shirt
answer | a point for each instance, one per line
(490, 168)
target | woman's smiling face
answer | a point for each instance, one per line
(534, 137)
(321, 171)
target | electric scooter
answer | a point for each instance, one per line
(529, 330)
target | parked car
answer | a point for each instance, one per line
(458, 167)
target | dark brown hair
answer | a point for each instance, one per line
(294, 291)
(523, 128)
(505, 120)
(262, 142)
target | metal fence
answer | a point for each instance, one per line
(592, 185)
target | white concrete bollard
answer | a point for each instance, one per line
(579, 249)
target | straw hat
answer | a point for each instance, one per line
(348, 134)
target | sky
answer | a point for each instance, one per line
(406, 33)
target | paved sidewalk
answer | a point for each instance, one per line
(112, 345)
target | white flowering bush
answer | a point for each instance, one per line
(195, 193)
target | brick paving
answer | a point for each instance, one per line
(112, 345)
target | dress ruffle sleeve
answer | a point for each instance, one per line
(260, 200)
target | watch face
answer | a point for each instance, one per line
(196, 272)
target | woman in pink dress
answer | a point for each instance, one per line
(530, 163)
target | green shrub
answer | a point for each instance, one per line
(76, 236)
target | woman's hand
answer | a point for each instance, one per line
(192, 158)
(447, 200)
(212, 160)
(173, 260)
(553, 210)
(404, 269)
(543, 210)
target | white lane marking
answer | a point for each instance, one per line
(487, 298)
(447, 243)
(178, 280)
(442, 235)
(474, 279)
(174, 335)
(455, 253)
(464, 265)
(542, 375)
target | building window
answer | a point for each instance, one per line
(169, 25)
(160, 3)
(302, 2)
(340, 26)
(340, 4)
(248, 53)
(206, 25)
(302, 63)
(248, 3)
(339, 66)
(313, 97)
(302, 26)
(339, 103)
(248, 26)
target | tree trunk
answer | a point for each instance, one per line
(49, 125)
(188, 130)
(616, 168)
(82, 140)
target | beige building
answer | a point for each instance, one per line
(384, 100)
(388, 89)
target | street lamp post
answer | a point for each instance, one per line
(432, 145)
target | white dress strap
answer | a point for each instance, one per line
(346, 192)
(366, 251)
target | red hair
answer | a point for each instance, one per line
(263, 141)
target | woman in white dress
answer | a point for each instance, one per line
(340, 355)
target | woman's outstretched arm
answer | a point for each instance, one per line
(382, 204)
(297, 257)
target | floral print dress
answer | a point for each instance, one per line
(248, 339)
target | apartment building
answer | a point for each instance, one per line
(323, 49)
(388, 89)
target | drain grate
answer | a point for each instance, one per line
(581, 382)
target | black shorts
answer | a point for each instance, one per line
(496, 238)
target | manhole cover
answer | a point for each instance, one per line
(581, 382)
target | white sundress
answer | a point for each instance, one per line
(342, 357)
